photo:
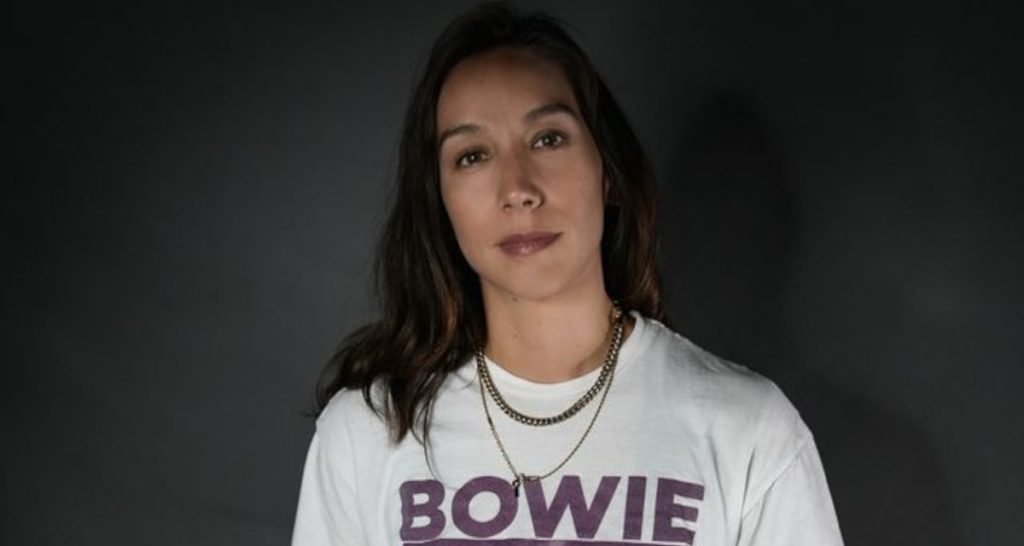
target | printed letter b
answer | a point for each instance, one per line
(430, 509)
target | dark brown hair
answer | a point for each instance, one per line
(431, 313)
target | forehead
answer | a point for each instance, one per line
(501, 82)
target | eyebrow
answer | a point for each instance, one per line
(549, 109)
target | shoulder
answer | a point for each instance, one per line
(348, 421)
(726, 394)
(736, 409)
(704, 374)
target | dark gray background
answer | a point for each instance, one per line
(193, 195)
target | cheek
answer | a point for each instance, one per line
(588, 194)
(465, 217)
(591, 217)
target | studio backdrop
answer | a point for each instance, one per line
(194, 193)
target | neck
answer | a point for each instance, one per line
(549, 341)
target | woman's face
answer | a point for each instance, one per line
(521, 176)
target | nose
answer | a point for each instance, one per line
(518, 187)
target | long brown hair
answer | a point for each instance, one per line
(431, 313)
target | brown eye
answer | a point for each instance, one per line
(551, 139)
(469, 159)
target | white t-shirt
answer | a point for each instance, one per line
(688, 449)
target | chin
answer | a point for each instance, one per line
(530, 285)
(540, 277)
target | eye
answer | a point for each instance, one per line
(550, 139)
(469, 159)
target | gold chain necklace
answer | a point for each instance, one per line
(518, 478)
(609, 362)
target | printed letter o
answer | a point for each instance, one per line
(507, 507)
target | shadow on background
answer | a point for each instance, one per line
(730, 243)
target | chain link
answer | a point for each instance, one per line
(609, 360)
(608, 373)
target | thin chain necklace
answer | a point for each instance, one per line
(518, 478)
(606, 368)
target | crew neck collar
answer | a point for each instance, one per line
(506, 381)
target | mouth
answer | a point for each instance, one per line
(524, 244)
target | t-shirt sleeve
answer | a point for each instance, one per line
(326, 513)
(796, 507)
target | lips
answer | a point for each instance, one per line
(524, 244)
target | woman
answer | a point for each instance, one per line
(519, 384)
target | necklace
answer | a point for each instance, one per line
(609, 363)
(519, 478)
